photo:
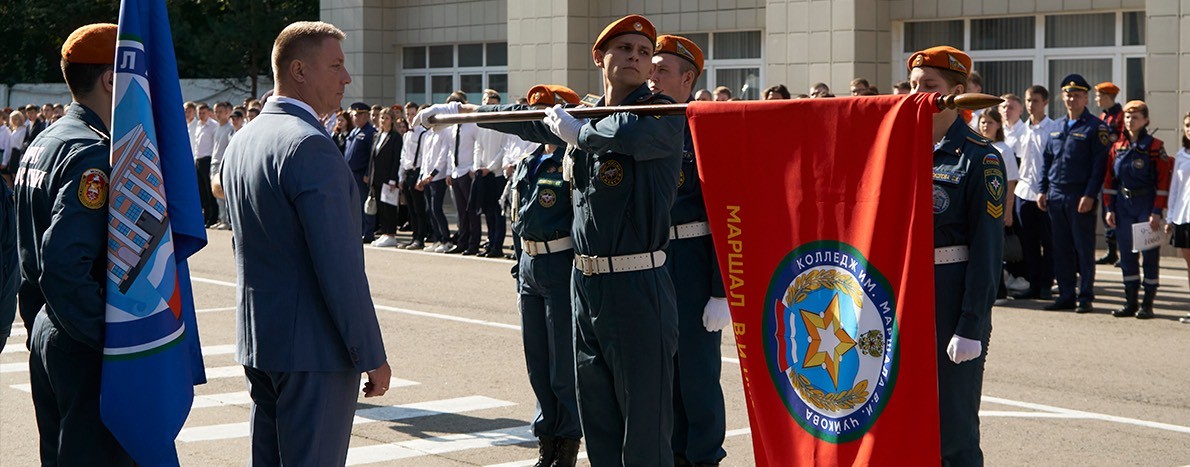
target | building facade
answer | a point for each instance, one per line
(421, 50)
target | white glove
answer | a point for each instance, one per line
(423, 117)
(962, 349)
(716, 315)
(559, 121)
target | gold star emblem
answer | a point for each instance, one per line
(828, 340)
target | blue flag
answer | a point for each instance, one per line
(152, 358)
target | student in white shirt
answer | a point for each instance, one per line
(1034, 229)
(490, 146)
(204, 147)
(413, 152)
(434, 171)
(222, 137)
(1178, 213)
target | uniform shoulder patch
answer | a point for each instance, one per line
(590, 100)
(1105, 135)
(978, 140)
(93, 189)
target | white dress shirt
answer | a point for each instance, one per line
(1179, 190)
(1009, 157)
(1014, 135)
(409, 149)
(490, 146)
(204, 138)
(5, 143)
(222, 136)
(462, 163)
(435, 155)
(1032, 159)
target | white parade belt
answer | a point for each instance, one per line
(691, 230)
(592, 265)
(533, 248)
(951, 254)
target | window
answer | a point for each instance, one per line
(1014, 52)
(431, 73)
(732, 59)
(924, 35)
(1002, 33)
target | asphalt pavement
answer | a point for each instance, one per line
(1060, 388)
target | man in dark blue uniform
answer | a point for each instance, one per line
(359, 157)
(699, 412)
(61, 199)
(969, 192)
(1072, 176)
(542, 219)
(624, 171)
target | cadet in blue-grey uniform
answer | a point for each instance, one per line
(624, 171)
(1072, 176)
(542, 219)
(969, 191)
(1135, 190)
(61, 201)
(699, 412)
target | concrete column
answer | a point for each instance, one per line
(810, 41)
(1167, 67)
(368, 49)
(549, 42)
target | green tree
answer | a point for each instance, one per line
(228, 39)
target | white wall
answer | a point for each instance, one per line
(198, 90)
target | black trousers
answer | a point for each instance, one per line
(441, 230)
(417, 206)
(1037, 245)
(468, 218)
(485, 198)
(210, 208)
(64, 376)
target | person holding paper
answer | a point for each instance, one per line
(386, 162)
(1134, 191)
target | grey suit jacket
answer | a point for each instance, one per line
(304, 303)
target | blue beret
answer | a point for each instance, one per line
(360, 107)
(1075, 82)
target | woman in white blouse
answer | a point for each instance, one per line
(1179, 199)
(11, 158)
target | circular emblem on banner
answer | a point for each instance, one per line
(1138, 163)
(831, 339)
(941, 200)
(547, 198)
(611, 173)
(93, 189)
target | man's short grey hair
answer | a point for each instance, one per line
(298, 39)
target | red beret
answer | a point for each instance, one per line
(1107, 87)
(682, 47)
(631, 24)
(944, 57)
(93, 44)
(1134, 106)
(550, 94)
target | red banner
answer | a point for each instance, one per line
(822, 215)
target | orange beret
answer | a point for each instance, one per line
(1107, 87)
(550, 94)
(944, 57)
(631, 24)
(94, 44)
(1134, 106)
(682, 47)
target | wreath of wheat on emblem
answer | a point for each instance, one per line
(871, 343)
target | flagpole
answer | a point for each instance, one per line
(970, 101)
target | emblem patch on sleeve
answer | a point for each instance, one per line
(93, 189)
(611, 173)
(1105, 136)
(547, 198)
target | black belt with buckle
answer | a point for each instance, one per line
(1127, 193)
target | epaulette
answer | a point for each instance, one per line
(655, 98)
(978, 140)
(590, 100)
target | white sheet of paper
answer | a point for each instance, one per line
(390, 194)
(1144, 238)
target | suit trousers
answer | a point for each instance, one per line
(700, 419)
(64, 376)
(440, 229)
(626, 334)
(468, 219)
(210, 209)
(417, 207)
(543, 282)
(1037, 245)
(959, 385)
(485, 197)
(1074, 247)
(301, 418)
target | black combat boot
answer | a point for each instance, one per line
(1129, 303)
(1146, 306)
(1111, 257)
(546, 451)
(567, 453)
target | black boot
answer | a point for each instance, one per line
(546, 451)
(1146, 307)
(567, 453)
(1129, 304)
(1111, 257)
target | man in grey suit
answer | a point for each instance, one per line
(306, 326)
